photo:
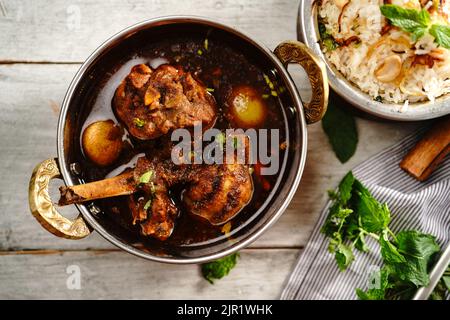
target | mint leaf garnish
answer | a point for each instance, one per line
(441, 34)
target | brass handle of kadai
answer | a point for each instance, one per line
(294, 51)
(44, 210)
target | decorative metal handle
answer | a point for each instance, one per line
(294, 51)
(43, 208)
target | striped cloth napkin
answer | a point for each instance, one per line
(423, 206)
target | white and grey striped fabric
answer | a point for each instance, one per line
(424, 206)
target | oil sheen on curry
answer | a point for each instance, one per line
(127, 150)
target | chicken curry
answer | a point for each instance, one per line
(127, 149)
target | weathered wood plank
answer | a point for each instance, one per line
(30, 99)
(30, 96)
(116, 275)
(69, 31)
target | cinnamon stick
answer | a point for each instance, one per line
(123, 184)
(429, 152)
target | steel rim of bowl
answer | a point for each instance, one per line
(173, 20)
(307, 33)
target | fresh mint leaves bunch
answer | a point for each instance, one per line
(417, 23)
(356, 215)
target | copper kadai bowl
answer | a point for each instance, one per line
(121, 45)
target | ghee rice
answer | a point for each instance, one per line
(423, 66)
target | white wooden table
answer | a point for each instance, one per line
(42, 44)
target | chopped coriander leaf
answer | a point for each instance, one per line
(199, 52)
(379, 99)
(152, 187)
(138, 122)
(323, 30)
(235, 142)
(220, 138)
(219, 268)
(210, 89)
(327, 39)
(206, 44)
(270, 84)
(265, 96)
(148, 204)
(146, 177)
(330, 44)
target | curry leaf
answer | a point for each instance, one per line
(146, 177)
(340, 128)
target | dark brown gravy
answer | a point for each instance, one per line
(219, 66)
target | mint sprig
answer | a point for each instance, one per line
(355, 215)
(417, 23)
(410, 20)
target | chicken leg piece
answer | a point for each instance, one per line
(215, 192)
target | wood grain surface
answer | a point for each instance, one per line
(41, 47)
